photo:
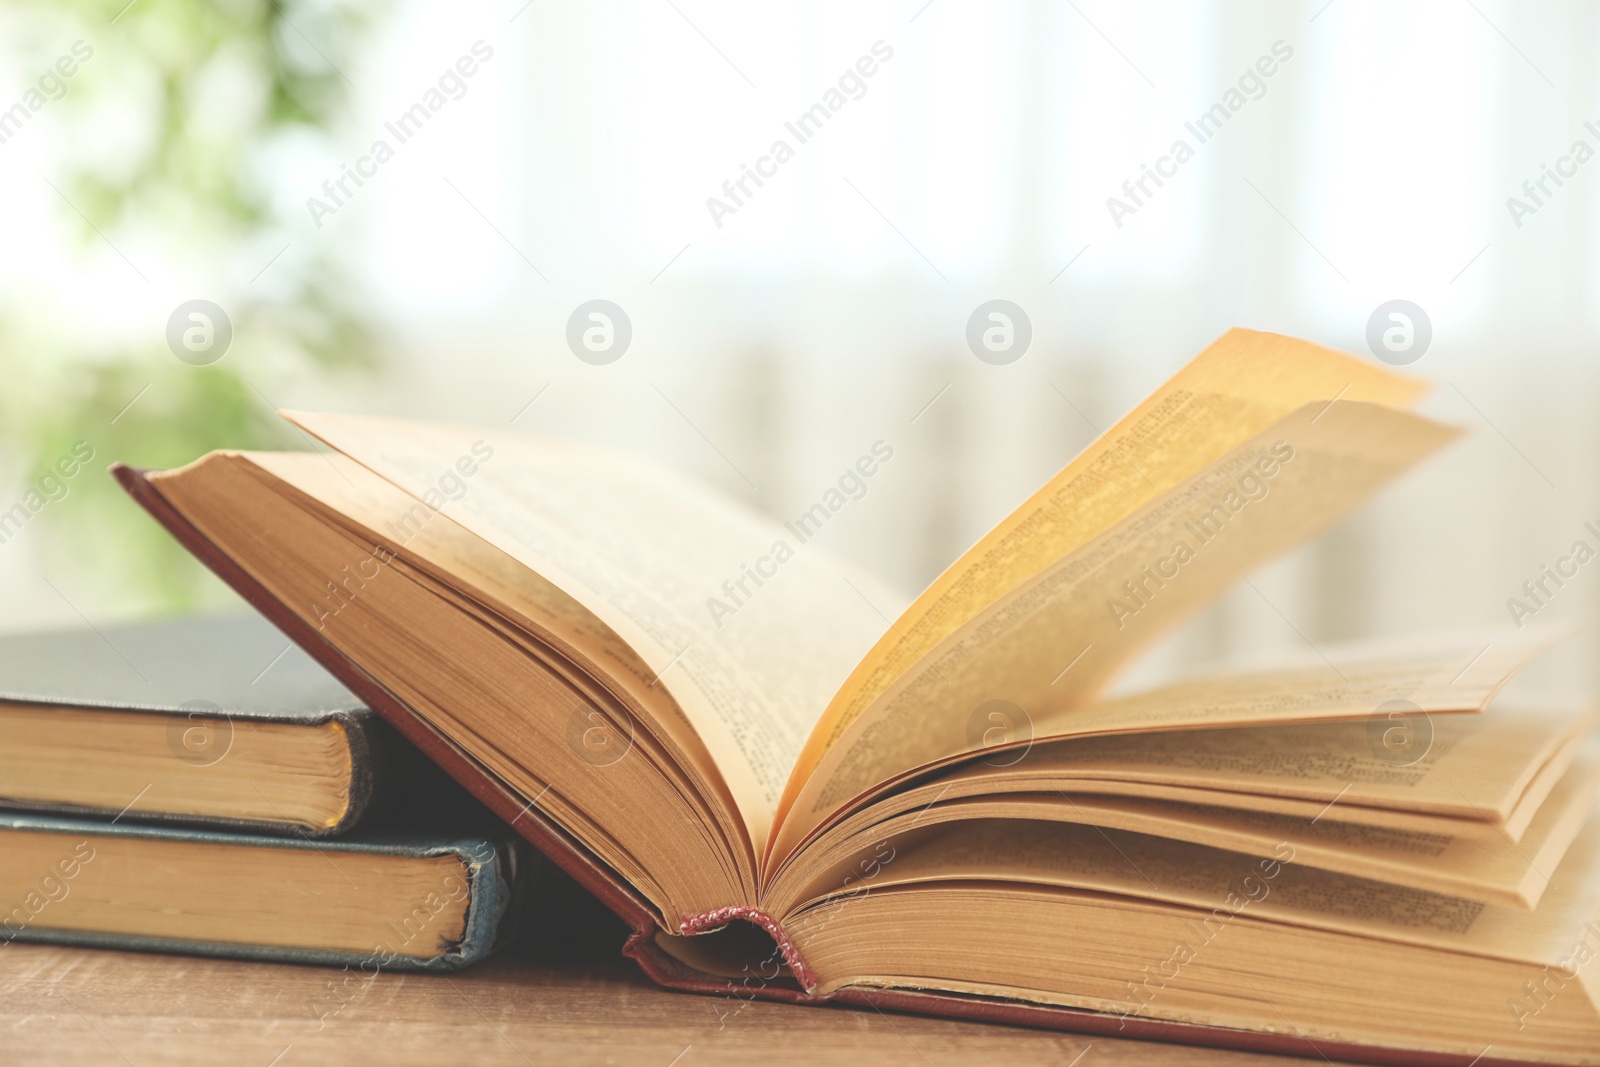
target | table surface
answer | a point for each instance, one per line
(567, 1000)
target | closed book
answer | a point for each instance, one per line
(206, 721)
(401, 899)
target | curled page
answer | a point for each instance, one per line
(1041, 652)
(1237, 388)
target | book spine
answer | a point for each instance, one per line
(715, 920)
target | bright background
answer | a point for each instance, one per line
(829, 311)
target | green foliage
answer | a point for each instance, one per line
(215, 86)
(174, 417)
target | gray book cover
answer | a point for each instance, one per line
(213, 672)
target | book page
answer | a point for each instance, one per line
(355, 494)
(645, 549)
(1231, 884)
(1496, 870)
(1481, 777)
(1463, 766)
(1451, 672)
(1238, 387)
(1043, 650)
(465, 563)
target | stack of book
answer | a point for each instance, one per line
(201, 785)
(794, 786)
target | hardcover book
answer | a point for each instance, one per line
(205, 721)
(794, 785)
(414, 900)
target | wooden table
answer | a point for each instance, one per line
(568, 1001)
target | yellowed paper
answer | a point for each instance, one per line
(1495, 870)
(1237, 388)
(1272, 887)
(1475, 769)
(1046, 647)
(396, 625)
(1463, 766)
(644, 549)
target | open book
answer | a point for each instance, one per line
(793, 786)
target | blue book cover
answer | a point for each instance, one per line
(393, 900)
